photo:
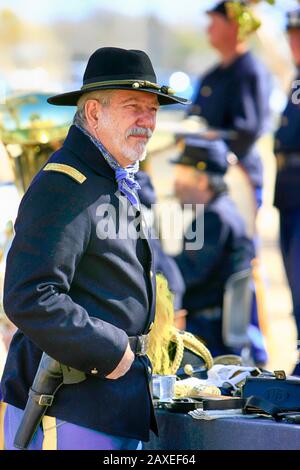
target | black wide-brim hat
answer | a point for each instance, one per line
(111, 68)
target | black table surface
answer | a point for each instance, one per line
(179, 431)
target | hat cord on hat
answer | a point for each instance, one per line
(134, 83)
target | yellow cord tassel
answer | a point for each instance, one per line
(164, 336)
(162, 330)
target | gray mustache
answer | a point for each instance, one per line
(139, 131)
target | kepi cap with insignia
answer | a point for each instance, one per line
(110, 68)
(204, 155)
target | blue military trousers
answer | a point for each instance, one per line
(67, 436)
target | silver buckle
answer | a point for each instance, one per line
(143, 342)
(46, 400)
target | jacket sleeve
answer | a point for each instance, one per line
(197, 265)
(249, 109)
(52, 232)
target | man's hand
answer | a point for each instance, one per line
(123, 366)
(180, 319)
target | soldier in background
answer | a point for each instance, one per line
(199, 179)
(234, 95)
(287, 193)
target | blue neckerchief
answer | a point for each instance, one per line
(124, 176)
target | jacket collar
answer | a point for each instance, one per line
(240, 61)
(80, 145)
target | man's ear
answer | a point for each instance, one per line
(234, 29)
(91, 108)
(202, 181)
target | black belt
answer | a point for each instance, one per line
(139, 344)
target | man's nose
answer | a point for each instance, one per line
(146, 119)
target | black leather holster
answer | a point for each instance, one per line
(50, 376)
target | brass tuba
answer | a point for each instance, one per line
(31, 131)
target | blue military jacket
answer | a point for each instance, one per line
(287, 194)
(236, 98)
(226, 250)
(78, 294)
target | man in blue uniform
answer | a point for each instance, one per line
(234, 95)
(77, 285)
(226, 248)
(287, 188)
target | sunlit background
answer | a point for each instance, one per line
(45, 44)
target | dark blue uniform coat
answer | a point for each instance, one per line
(236, 98)
(287, 197)
(287, 141)
(78, 297)
(226, 250)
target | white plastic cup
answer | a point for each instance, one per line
(163, 387)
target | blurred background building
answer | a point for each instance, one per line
(44, 45)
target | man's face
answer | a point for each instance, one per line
(127, 123)
(294, 39)
(190, 185)
(220, 30)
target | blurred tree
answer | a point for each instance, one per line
(10, 28)
(31, 56)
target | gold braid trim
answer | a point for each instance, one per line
(2, 412)
(177, 338)
(197, 347)
(67, 170)
(193, 344)
(50, 433)
(166, 341)
(161, 332)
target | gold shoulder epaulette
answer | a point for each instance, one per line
(67, 169)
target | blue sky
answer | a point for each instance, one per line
(171, 10)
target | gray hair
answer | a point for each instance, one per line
(103, 96)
